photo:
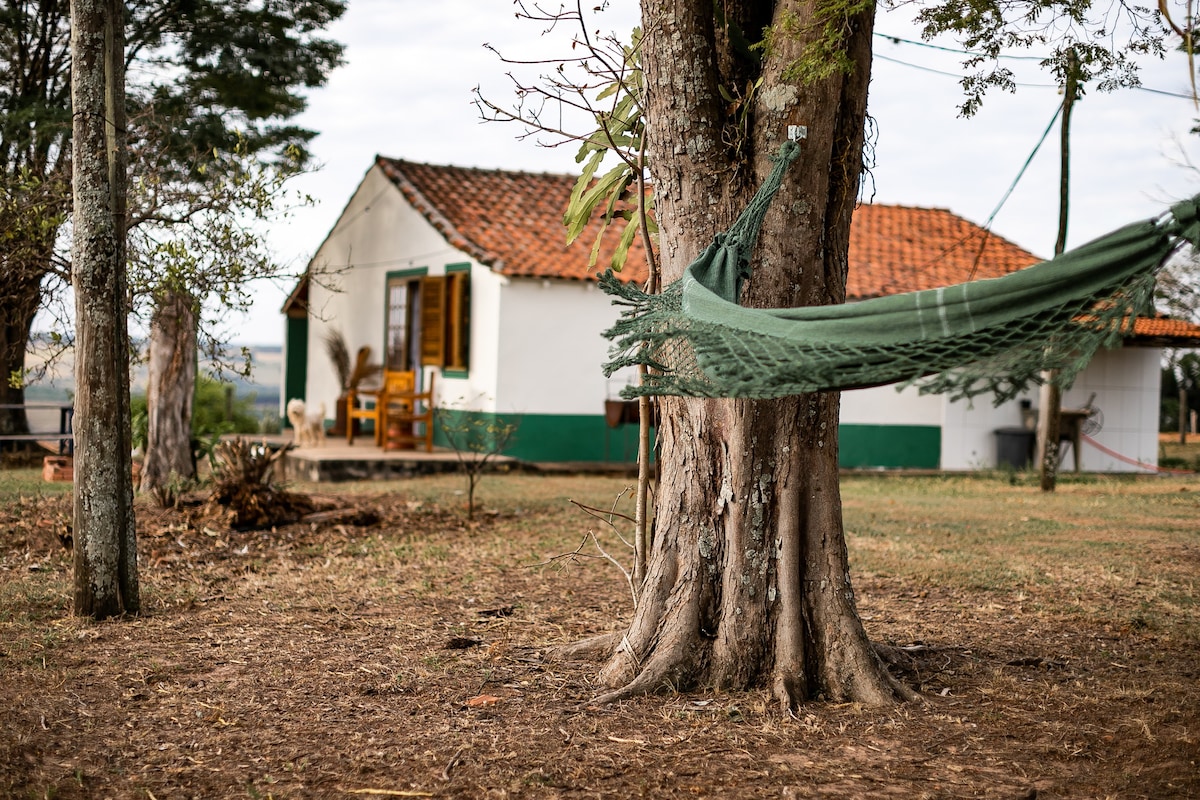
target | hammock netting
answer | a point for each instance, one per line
(998, 335)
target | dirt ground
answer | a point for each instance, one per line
(405, 658)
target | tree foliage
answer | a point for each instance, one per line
(202, 238)
(207, 79)
(602, 85)
(1106, 40)
(217, 410)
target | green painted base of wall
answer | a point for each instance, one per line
(890, 446)
(544, 437)
(584, 437)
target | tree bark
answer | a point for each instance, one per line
(106, 580)
(170, 391)
(1183, 412)
(748, 582)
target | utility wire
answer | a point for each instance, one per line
(902, 40)
(958, 76)
(1025, 166)
(987, 226)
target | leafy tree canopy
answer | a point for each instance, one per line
(209, 83)
(206, 70)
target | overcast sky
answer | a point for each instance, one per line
(406, 92)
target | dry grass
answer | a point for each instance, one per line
(1055, 638)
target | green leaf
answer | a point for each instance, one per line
(623, 245)
(579, 212)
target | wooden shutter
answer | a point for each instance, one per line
(433, 315)
(458, 319)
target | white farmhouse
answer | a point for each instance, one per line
(464, 275)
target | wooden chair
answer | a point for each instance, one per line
(362, 403)
(406, 415)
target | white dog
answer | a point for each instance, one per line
(309, 425)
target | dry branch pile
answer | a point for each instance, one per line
(244, 494)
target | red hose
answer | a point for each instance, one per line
(1134, 461)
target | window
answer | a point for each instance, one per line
(403, 308)
(429, 320)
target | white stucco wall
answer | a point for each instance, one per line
(969, 430)
(551, 349)
(883, 405)
(1126, 385)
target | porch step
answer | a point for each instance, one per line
(313, 466)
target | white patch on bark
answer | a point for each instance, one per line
(780, 97)
(726, 494)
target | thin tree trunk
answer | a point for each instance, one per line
(748, 582)
(1049, 417)
(641, 521)
(1051, 396)
(106, 580)
(170, 391)
(1183, 413)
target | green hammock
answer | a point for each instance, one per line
(994, 335)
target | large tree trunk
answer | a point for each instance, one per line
(169, 393)
(749, 582)
(106, 580)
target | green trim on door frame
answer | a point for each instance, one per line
(411, 272)
(296, 366)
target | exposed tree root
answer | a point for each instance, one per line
(904, 692)
(655, 676)
(668, 674)
(593, 648)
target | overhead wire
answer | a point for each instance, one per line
(899, 40)
(931, 46)
(955, 75)
(986, 227)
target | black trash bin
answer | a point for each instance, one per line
(1014, 447)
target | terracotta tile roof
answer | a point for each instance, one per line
(510, 221)
(895, 249)
(1165, 331)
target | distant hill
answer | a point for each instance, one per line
(57, 385)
